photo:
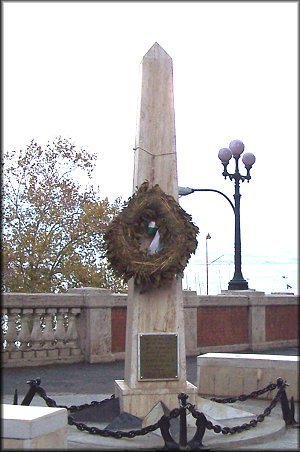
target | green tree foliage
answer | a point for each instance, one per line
(52, 231)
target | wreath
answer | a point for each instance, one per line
(151, 239)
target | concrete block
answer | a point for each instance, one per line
(4, 356)
(41, 353)
(52, 353)
(33, 427)
(17, 355)
(28, 355)
(233, 374)
(75, 352)
(64, 352)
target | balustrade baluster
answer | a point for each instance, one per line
(72, 334)
(3, 328)
(25, 332)
(36, 333)
(48, 333)
(60, 332)
(11, 335)
(4, 353)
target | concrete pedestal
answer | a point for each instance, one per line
(140, 401)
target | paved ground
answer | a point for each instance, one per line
(85, 378)
(82, 382)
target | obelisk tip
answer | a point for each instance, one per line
(156, 51)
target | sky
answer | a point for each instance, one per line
(73, 68)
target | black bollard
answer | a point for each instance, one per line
(32, 391)
(15, 401)
(183, 428)
(288, 413)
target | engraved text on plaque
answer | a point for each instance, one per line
(158, 356)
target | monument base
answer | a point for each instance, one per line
(139, 401)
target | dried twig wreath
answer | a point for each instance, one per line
(129, 233)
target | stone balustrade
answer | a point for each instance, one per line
(40, 329)
(89, 324)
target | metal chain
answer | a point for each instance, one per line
(281, 384)
(246, 426)
(115, 434)
(244, 397)
(73, 408)
(104, 432)
(123, 434)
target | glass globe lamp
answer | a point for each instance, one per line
(225, 155)
(248, 160)
(236, 147)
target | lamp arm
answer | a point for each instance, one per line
(216, 191)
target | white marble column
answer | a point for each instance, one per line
(158, 310)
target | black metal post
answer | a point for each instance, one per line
(31, 392)
(183, 428)
(236, 148)
(237, 282)
(207, 238)
(15, 401)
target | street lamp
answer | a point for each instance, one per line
(236, 148)
(207, 238)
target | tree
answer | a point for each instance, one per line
(52, 232)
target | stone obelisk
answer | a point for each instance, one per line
(156, 313)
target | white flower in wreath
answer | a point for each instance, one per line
(155, 245)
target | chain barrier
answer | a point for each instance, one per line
(35, 384)
(244, 397)
(281, 384)
(164, 422)
(125, 434)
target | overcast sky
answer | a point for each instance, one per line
(72, 69)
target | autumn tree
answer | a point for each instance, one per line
(52, 231)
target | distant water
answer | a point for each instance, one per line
(261, 274)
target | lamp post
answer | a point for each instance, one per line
(207, 238)
(236, 148)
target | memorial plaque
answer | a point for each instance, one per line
(158, 356)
